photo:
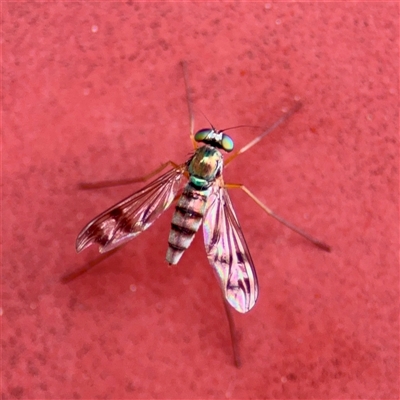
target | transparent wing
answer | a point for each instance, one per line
(131, 216)
(228, 253)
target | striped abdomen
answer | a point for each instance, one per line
(186, 221)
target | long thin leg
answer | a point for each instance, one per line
(232, 330)
(315, 241)
(121, 182)
(103, 184)
(189, 102)
(280, 121)
(70, 276)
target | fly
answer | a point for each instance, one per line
(202, 199)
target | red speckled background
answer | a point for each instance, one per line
(94, 91)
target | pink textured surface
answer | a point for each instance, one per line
(95, 91)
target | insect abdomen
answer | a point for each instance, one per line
(186, 221)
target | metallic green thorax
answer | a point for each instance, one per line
(205, 166)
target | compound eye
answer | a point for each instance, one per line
(227, 143)
(202, 134)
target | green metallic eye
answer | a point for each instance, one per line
(202, 134)
(227, 143)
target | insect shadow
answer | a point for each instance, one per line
(200, 193)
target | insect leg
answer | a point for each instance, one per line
(70, 276)
(280, 121)
(232, 330)
(315, 241)
(189, 102)
(103, 184)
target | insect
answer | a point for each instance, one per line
(201, 197)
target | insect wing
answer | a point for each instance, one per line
(228, 253)
(131, 216)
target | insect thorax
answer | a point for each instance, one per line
(205, 166)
